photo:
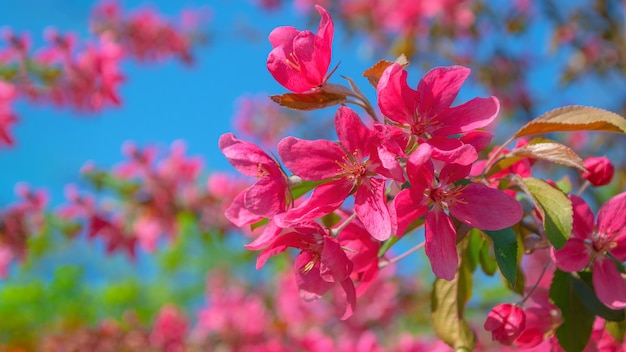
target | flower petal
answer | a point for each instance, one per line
(441, 244)
(486, 208)
(609, 283)
(371, 207)
(476, 113)
(574, 256)
(311, 160)
(439, 87)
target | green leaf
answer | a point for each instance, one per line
(474, 245)
(554, 206)
(574, 118)
(386, 245)
(447, 308)
(505, 249)
(487, 260)
(584, 288)
(573, 334)
(616, 329)
(303, 188)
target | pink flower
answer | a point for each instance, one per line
(599, 171)
(598, 245)
(321, 264)
(170, 330)
(506, 322)
(300, 59)
(351, 168)
(7, 117)
(267, 197)
(473, 204)
(426, 112)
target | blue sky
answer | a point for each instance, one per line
(161, 102)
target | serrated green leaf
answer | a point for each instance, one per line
(505, 250)
(573, 334)
(447, 308)
(555, 209)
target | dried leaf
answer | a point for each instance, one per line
(574, 118)
(373, 73)
(553, 152)
(310, 101)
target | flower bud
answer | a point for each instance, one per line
(505, 321)
(599, 171)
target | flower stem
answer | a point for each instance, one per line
(335, 232)
(532, 290)
(387, 262)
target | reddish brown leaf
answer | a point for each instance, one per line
(574, 118)
(553, 152)
(373, 73)
(311, 101)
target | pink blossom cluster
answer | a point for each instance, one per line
(145, 34)
(155, 191)
(86, 75)
(282, 322)
(425, 147)
(19, 222)
(167, 333)
(403, 17)
(85, 78)
(338, 203)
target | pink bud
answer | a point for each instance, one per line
(599, 171)
(505, 321)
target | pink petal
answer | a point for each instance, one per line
(335, 264)
(352, 133)
(396, 100)
(574, 256)
(420, 169)
(283, 36)
(486, 208)
(270, 232)
(452, 151)
(439, 87)
(311, 286)
(323, 41)
(311, 160)
(348, 287)
(406, 208)
(583, 223)
(609, 283)
(612, 215)
(451, 173)
(246, 157)
(325, 199)
(371, 207)
(238, 214)
(281, 243)
(476, 113)
(441, 244)
(478, 139)
(266, 197)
